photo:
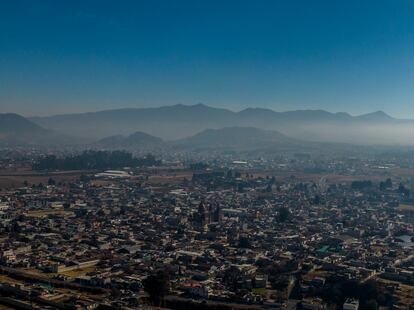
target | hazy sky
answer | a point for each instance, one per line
(66, 56)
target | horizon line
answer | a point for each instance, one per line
(205, 105)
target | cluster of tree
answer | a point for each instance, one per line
(316, 200)
(157, 285)
(198, 166)
(369, 293)
(95, 160)
(283, 214)
(403, 190)
(233, 174)
(361, 184)
(244, 242)
(275, 269)
(232, 277)
(270, 182)
(387, 184)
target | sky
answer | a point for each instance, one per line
(76, 56)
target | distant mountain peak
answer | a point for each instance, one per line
(181, 105)
(377, 115)
(343, 114)
(256, 111)
(17, 130)
(14, 123)
(201, 105)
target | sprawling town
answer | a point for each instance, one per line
(294, 232)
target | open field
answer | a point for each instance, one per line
(72, 273)
(8, 280)
(314, 177)
(59, 293)
(405, 207)
(404, 293)
(170, 178)
(42, 213)
(260, 291)
(402, 172)
(100, 183)
(78, 272)
(15, 179)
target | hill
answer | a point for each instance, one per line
(135, 140)
(15, 129)
(18, 130)
(11, 123)
(240, 138)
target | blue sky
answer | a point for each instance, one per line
(68, 56)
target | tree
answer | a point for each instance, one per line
(198, 166)
(387, 184)
(244, 242)
(231, 277)
(157, 286)
(403, 190)
(371, 305)
(283, 214)
(350, 288)
(316, 200)
(359, 185)
(84, 178)
(369, 290)
(115, 293)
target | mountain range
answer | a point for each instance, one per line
(181, 121)
(183, 126)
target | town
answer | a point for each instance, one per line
(287, 232)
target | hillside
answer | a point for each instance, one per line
(135, 140)
(11, 123)
(17, 130)
(242, 138)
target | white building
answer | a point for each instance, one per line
(113, 174)
(351, 304)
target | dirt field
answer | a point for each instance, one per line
(170, 178)
(404, 293)
(402, 172)
(79, 272)
(9, 180)
(403, 207)
(43, 213)
(314, 177)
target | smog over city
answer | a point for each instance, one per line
(207, 154)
